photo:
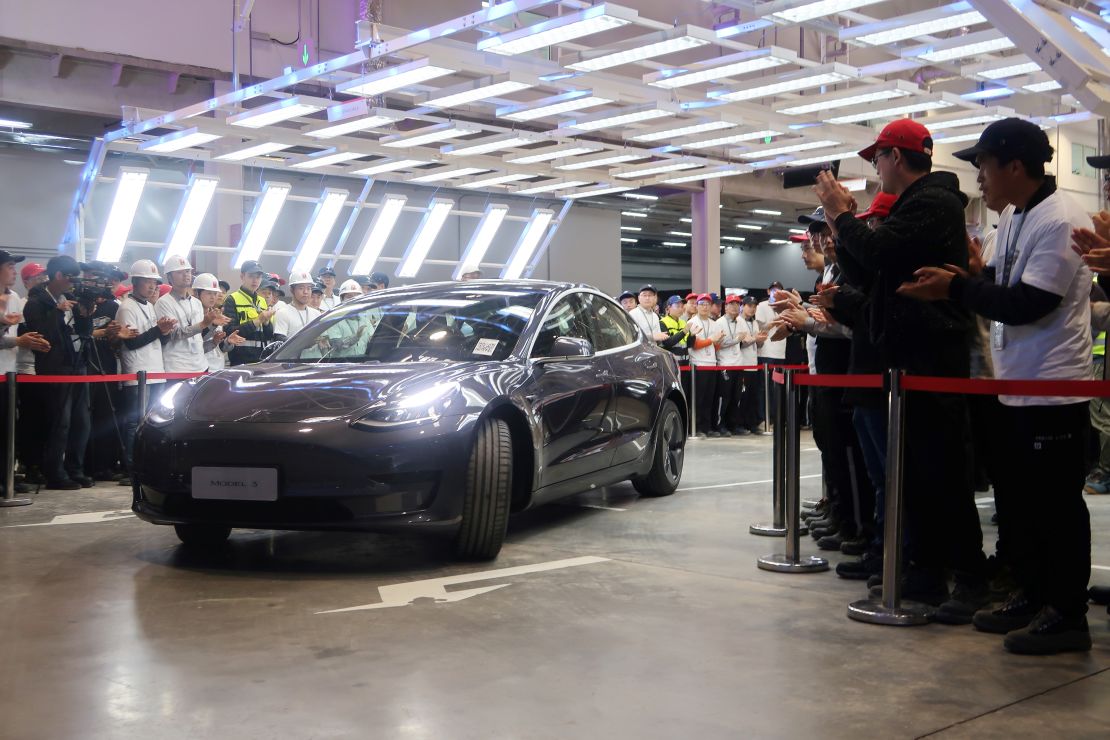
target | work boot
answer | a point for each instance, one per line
(857, 546)
(725, 433)
(830, 541)
(862, 569)
(1014, 614)
(1050, 633)
(920, 586)
(1099, 595)
(966, 599)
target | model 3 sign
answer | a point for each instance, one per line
(235, 484)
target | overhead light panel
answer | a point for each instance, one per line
(129, 188)
(913, 25)
(394, 78)
(653, 45)
(749, 227)
(674, 244)
(325, 158)
(711, 173)
(1045, 86)
(551, 186)
(381, 226)
(276, 112)
(823, 158)
(988, 93)
(680, 233)
(480, 240)
(828, 74)
(959, 120)
(257, 231)
(604, 190)
(631, 228)
(190, 216)
(603, 17)
(435, 215)
(958, 138)
(996, 72)
(602, 160)
(733, 239)
(255, 150)
(657, 168)
(960, 47)
(894, 112)
(487, 182)
(800, 146)
(446, 173)
(807, 11)
(621, 117)
(12, 123)
(766, 212)
(391, 165)
(483, 88)
(530, 238)
(634, 214)
(487, 145)
(353, 116)
(431, 134)
(554, 105)
(553, 152)
(320, 225)
(730, 139)
(629, 240)
(176, 141)
(848, 98)
(680, 129)
(639, 196)
(731, 65)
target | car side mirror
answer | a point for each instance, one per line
(567, 348)
(269, 349)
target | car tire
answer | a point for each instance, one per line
(489, 478)
(667, 458)
(202, 536)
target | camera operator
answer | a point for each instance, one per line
(54, 312)
(104, 456)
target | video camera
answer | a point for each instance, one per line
(89, 288)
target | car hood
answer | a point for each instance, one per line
(285, 392)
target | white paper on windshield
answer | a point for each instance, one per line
(486, 347)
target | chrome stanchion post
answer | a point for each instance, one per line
(777, 527)
(766, 398)
(693, 402)
(890, 609)
(144, 394)
(792, 561)
(9, 451)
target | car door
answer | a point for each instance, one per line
(570, 397)
(635, 375)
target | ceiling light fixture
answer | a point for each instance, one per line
(390, 166)
(276, 112)
(530, 239)
(604, 190)
(553, 152)
(925, 23)
(731, 65)
(255, 150)
(177, 141)
(960, 47)
(394, 78)
(446, 173)
(324, 158)
(805, 79)
(431, 134)
(381, 225)
(823, 158)
(548, 187)
(483, 88)
(730, 139)
(350, 117)
(558, 30)
(895, 112)
(487, 145)
(486, 182)
(800, 146)
(856, 96)
(481, 239)
(680, 129)
(710, 174)
(554, 105)
(190, 216)
(129, 188)
(657, 168)
(601, 160)
(267, 206)
(661, 43)
(435, 215)
(621, 117)
(320, 225)
(817, 9)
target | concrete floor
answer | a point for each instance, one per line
(669, 631)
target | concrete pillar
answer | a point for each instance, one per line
(705, 246)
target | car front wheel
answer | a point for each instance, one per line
(666, 467)
(202, 536)
(489, 478)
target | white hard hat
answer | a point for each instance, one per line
(176, 262)
(206, 281)
(303, 277)
(145, 269)
(349, 286)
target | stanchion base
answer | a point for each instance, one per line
(779, 563)
(906, 614)
(6, 502)
(770, 530)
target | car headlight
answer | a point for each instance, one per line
(162, 410)
(421, 407)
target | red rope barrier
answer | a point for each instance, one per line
(840, 381)
(989, 387)
(48, 379)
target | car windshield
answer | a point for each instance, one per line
(457, 326)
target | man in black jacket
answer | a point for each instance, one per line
(925, 227)
(53, 312)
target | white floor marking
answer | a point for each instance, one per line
(1101, 567)
(86, 518)
(599, 506)
(742, 483)
(404, 594)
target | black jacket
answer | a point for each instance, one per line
(926, 227)
(41, 314)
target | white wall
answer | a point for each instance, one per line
(758, 268)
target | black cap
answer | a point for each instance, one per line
(225, 286)
(626, 294)
(6, 256)
(776, 285)
(817, 215)
(751, 300)
(650, 288)
(318, 287)
(1100, 163)
(1010, 138)
(250, 267)
(325, 270)
(364, 280)
(105, 269)
(379, 278)
(63, 263)
(271, 284)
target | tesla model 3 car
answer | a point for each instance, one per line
(439, 407)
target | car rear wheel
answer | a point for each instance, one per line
(202, 536)
(666, 467)
(489, 479)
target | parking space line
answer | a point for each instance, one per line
(742, 483)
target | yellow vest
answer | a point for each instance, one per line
(674, 326)
(247, 309)
(1100, 345)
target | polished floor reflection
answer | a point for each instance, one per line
(613, 617)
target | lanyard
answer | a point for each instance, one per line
(1011, 248)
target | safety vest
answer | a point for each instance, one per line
(247, 308)
(1099, 349)
(674, 326)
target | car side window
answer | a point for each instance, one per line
(570, 317)
(612, 327)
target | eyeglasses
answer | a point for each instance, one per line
(875, 159)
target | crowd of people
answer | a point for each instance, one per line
(96, 319)
(905, 285)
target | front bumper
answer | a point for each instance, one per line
(330, 475)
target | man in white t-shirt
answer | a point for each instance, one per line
(644, 315)
(298, 313)
(186, 349)
(326, 277)
(702, 346)
(773, 351)
(1036, 292)
(730, 351)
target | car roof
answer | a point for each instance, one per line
(476, 286)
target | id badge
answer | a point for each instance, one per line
(998, 335)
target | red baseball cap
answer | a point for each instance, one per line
(30, 270)
(691, 296)
(164, 288)
(880, 206)
(734, 298)
(905, 133)
(121, 290)
(799, 238)
(705, 297)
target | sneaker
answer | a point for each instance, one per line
(741, 432)
(966, 599)
(1050, 633)
(917, 586)
(700, 435)
(125, 481)
(63, 485)
(1097, 484)
(1014, 614)
(725, 433)
(713, 434)
(862, 569)
(1099, 595)
(758, 429)
(875, 580)
(857, 546)
(830, 541)
(84, 480)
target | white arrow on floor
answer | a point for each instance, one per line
(88, 517)
(404, 594)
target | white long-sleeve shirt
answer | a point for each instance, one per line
(184, 352)
(706, 355)
(141, 317)
(10, 356)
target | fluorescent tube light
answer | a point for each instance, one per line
(801, 80)
(255, 150)
(681, 129)
(485, 182)
(352, 116)
(552, 106)
(709, 174)
(530, 238)
(730, 139)
(800, 146)
(765, 212)
(634, 214)
(1010, 70)
(629, 240)
(657, 168)
(324, 158)
(939, 124)
(548, 187)
(1046, 86)
(475, 90)
(281, 110)
(680, 233)
(960, 47)
(988, 93)
(778, 241)
(177, 141)
(394, 78)
(674, 244)
(895, 112)
(446, 173)
(435, 216)
(639, 196)
(852, 97)
(913, 25)
(485, 146)
(818, 9)
(129, 188)
(190, 216)
(553, 152)
(320, 225)
(958, 138)
(621, 117)
(660, 44)
(731, 65)
(631, 228)
(391, 165)
(12, 123)
(481, 239)
(823, 158)
(431, 134)
(381, 225)
(749, 227)
(558, 30)
(602, 160)
(733, 238)
(257, 232)
(605, 190)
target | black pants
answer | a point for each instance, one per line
(33, 424)
(705, 384)
(105, 451)
(850, 492)
(727, 396)
(68, 407)
(762, 393)
(942, 523)
(1039, 472)
(747, 409)
(133, 414)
